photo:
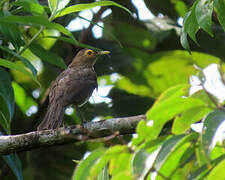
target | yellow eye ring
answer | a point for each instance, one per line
(89, 52)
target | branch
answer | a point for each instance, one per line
(90, 130)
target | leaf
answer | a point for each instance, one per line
(12, 33)
(61, 4)
(126, 33)
(47, 55)
(183, 122)
(23, 100)
(81, 7)
(52, 4)
(83, 169)
(7, 94)
(210, 126)
(24, 60)
(36, 21)
(123, 167)
(111, 153)
(4, 116)
(17, 67)
(172, 162)
(32, 7)
(71, 41)
(152, 74)
(191, 26)
(143, 161)
(15, 164)
(170, 103)
(201, 172)
(104, 174)
(167, 148)
(203, 11)
(184, 41)
(219, 6)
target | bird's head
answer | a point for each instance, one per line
(87, 57)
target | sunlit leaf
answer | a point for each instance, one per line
(32, 7)
(210, 126)
(36, 21)
(23, 100)
(183, 122)
(81, 7)
(124, 165)
(169, 104)
(154, 73)
(201, 172)
(17, 67)
(83, 169)
(142, 162)
(24, 60)
(111, 153)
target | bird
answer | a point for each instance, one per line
(73, 86)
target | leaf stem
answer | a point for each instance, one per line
(31, 40)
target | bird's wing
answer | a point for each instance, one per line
(74, 86)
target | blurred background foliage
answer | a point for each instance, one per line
(39, 38)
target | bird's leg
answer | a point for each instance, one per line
(83, 120)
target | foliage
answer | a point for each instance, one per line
(148, 73)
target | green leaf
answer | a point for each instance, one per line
(171, 153)
(201, 172)
(183, 122)
(111, 153)
(219, 6)
(104, 175)
(83, 169)
(191, 26)
(52, 4)
(184, 41)
(210, 126)
(124, 165)
(203, 11)
(24, 60)
(167, 148)
(12, 33)
(126, 33)
(17, 67)
(4, 116)
(36, 21)
(154, 73)
(81, 7)
(142, 162)
(47, 55)
(71, 41)
(15, 164)
(7, 94)
(23, 100)
(32, 7)
(61, 4)
(170, 103)
(172, 162)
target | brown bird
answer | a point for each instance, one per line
(73, 86)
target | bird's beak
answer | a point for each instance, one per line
(103, 52)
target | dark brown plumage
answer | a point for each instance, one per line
(73, 86)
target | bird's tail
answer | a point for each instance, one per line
(53, 117)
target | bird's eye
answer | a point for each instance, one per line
(89, 53)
